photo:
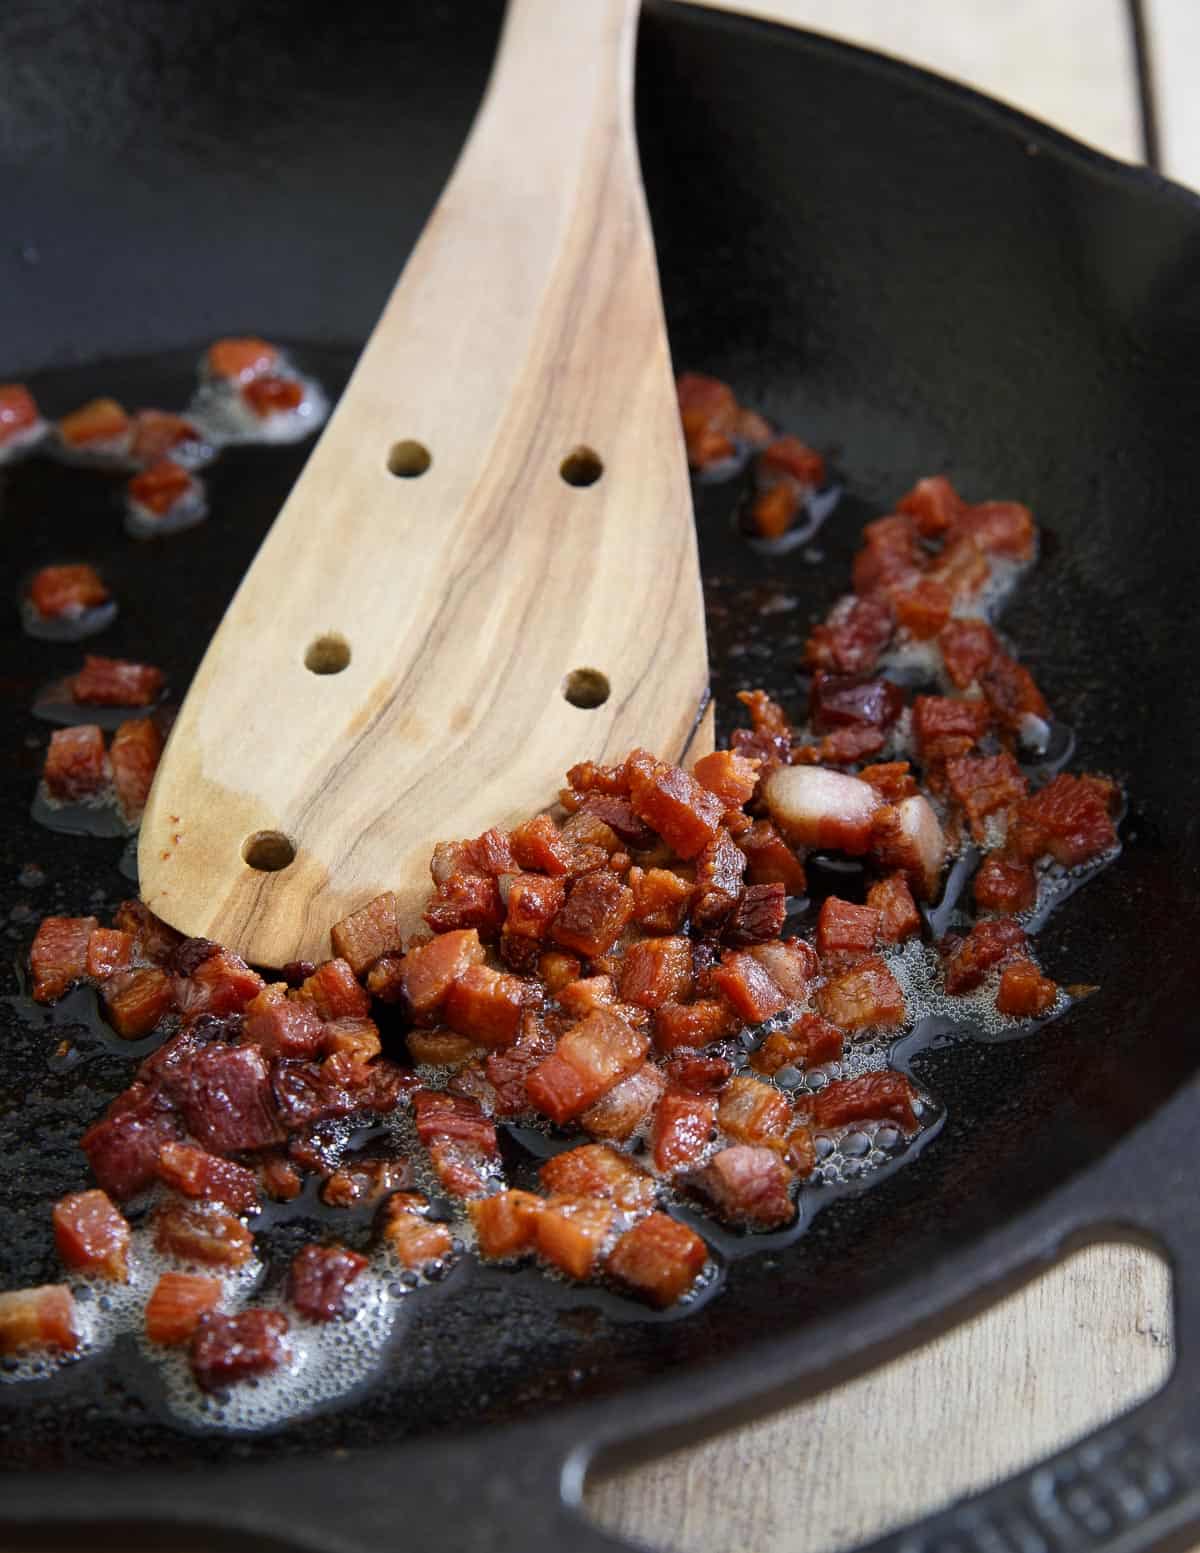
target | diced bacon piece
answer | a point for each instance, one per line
(558, 970)
(962, 566)
(709, 412)
(750, 1111)
(441, 1116)
(660, 899)
(893, 780)
(99, 421)
(701, 1072)
(731, 777)
(533, 901)
(115, 682)
(202, 1232)
(989, 943)
(156, 432)
(676, 807)
(851, 638)
(698, 1023)
(335, 992)
(427, 972)
(659, 1259)
(18, 412)
(757, 917)
(227, 1349)
(492, 853)
(135, 1001)
(581, 998)
(440, 1048)
(984, 785)
(618, 815)
(683, 1127)
(212, 980)
(370, 1086)
(968, 648)
(597, 910)
(1005, 884)
(934, 506)
(795, 459)
(595, 1170)
(848, 700)
(944, 727)
(872, 1097)
(136, 749)
(76, 766)
(415, 1240)
(773, 511)
(842, 747)
(810, 1042)
(160, 487)
(239, 359)
(865, 995)
(538, 846)
(465, 901)
(281, 1180)
(507, 1070)
(1068, 819)
(174, 1309)
(657, 971)
(1001, 528)
(1024, 993)
(281, 1026)
(767, 716)
(753, 428)
(846, 929)
(123, 1147)
(92, 1234)
(319, 1277)
(487, 1005)
(368, 933)
(108, 950)
(195, 1173)
(898, 915)
(1012, 694)
(791, 965)
(591, 840)
(44, 1317)
(588, 1060)
(889, 558)
(227, 1101)
(748, 986)
(769, 859)
(815, 808)
(748, 1184)
(719, 869)
(571, 1231)
(619, 1113)
(923, 608)
(506, 1224)
(908, 837)
(612, 781)
(58, 955)
(65, 592)
(155, 939)
(270, 395)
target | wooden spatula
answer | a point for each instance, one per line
(488, 569)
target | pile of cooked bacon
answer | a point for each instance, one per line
(601, 972)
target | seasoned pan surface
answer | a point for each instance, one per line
(904, 276)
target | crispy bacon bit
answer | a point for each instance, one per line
(597, 909)
(539, 846)
(155, 939)
(174, 1309)
(657, 971)
(240, 360)
(581, 998)
(506, 1224)
(683, 1127)
(225, 1096)
(595, 1170)
(195, 1173)
(618, 815)
(757, 917)
(1012, 694)
(363, 937)
(58, 955)
(464, 901)
(967, 647)
(867, 994)
(123, 1147)
(440, 1048)
(1005, 885)
(659, 1259)
(989, 943)
(934, 506)
(108, 950)
(890, 557)
(319, 1277)
(487, 1005)
(962, 566)
(1001, 528)
(944, 727)
(99, 421)
(135, 1001)
(769, 859)
(810, 1042)
(461, 1141)
(846, 929)
(332, 987)
(893, 780)
(698, 1023)
(676, 807)
(709, 412)
(767, 716)
(984, 785)
(65, 592)
(281, 1180)
(922, 609)
(719, 869)
(270, 395)
(773, 509)
(753, 1112)
(281, 1026)
(533, 902)
(160, 487)
(619, 1113)
(588, 1060)
(790, 457)
(92, 1234)
(898, 914)
(212, 980)
(815, 808)
(847, 700)
(18, 411)
(1024, 993)
(202, 1232)
(660, 899)
(571, 1231)
(748, 1185)
(852, 638)
(1069, 820)
(115, 682)
(44, 1317)
(748, 985)
(699, 1071)
(136, 749)
(226, 1349)
(157, 432)
(730, 777)
(886, 1096)
(908, 837)
(76, 766)
(415, 1239)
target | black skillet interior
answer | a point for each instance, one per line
(906, 277)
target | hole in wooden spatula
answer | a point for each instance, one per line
(581, 467)
(409, 459)
(268, 851)
(329, 654)
(586, 688)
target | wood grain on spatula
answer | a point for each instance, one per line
(440, 620)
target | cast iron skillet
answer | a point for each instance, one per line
(910, 277)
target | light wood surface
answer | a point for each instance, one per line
(528, 322)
